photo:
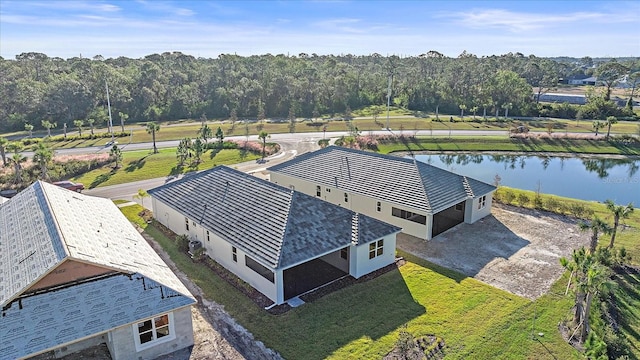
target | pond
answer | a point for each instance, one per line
(594, 178)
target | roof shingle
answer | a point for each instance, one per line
(393, 179)
(276, 226)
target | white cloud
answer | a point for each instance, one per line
(521, 21)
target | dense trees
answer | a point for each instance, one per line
(174, 85)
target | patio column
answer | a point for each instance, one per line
(279, 282)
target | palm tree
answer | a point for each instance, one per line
(116, 154)
(595, 281)
(28, 127)
(3, 143)
(78, 124)
(219, 136)
(17, 159)
(619, 212)
(462, 107)
(91, 123)
(578, 264)
(597, 125)
(48, 125)
(596, 226)
(506, 108)
(263, 136)
(43, 155)
(205, 133)
(152, 128)
(610, 121)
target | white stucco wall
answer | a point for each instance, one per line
(216, 248)
(359, 203)
(360, 264)
(368, 206)
(472, 213)
(121, 341)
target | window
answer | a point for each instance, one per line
(376, 248)
(186, 224)
(346, 197)
(152, 331)
(208, 238)
(318, 191)
(378, 206)
(261, 270)
(408, 215)
(327, 190)
(344, 252)
(234, 254)
(482, 202)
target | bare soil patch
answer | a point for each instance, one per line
(513, 249)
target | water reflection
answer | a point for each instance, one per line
(596, 178)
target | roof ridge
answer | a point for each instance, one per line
(467, 186)
(355, 228)
(55, 219)
(292, 193)
(417, 165)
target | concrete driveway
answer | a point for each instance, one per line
(513, 249)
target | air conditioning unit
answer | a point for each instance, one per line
(194, 245)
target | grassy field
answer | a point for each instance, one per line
(502, 143)
(362, 321)
(180, 129)
(475, 320)
(143, 164)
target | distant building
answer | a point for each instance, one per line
(582, 80)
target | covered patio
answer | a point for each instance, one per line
(308, 276)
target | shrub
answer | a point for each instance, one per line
(509, 196)
(182, 242)
(552, 204)
(578, 210)
(523, 200)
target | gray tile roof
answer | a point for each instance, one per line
(54, 318)
(389, 178)
(276, 226)
(45, 224)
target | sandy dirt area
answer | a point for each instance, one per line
(216, 334)
(513, 249)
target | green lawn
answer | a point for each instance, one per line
(498, 143)
(182, 129)
(143, 164)
(362, 321)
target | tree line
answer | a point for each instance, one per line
(47, 92)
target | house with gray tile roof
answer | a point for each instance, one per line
(280, 241)
(422, 199)
(75, 273)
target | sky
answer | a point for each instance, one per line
(114, 28)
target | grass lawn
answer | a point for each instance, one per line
(502, 143)
(181, 129)
(362, 321)
(143, 164)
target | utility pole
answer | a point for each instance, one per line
(389, 98)
(109, 107)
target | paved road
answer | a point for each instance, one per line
(289, 149)
(296, 137)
